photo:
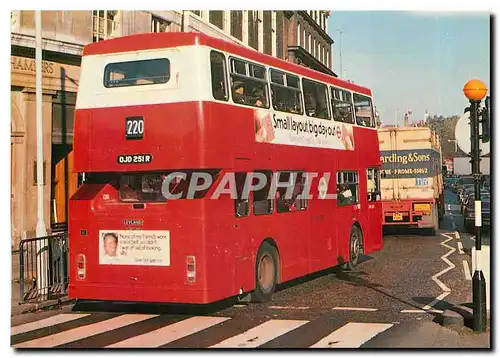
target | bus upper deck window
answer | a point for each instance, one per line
(249, 84)
(342, 105)
(136, 73)
(315, 99)
(218, 72)
(363, 110)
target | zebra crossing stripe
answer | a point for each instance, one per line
(260, 334)
(78, 333)
(351, 335)
(47, 322)
(169, 333)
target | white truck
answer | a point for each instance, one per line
(412, 182)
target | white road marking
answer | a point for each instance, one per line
(422, 311)
(169, 333)
(436, 300)
(451, 266)
(261, 334)
(288, 308)
(467, 272)
(47, 322)
(352, 335)
(76, 334)
(239, 306)
(460, 248)
(457, 235)
(356, 309)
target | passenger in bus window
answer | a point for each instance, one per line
(219, 91)
(128, 194)
(344, 194)
(238, 92)
(259, 98)
(310, 104)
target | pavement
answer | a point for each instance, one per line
(393, 299)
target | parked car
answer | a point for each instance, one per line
(486, 186)
(469, 216)
(464, 191)
(462, 182)
(469, 196)
(450, 182)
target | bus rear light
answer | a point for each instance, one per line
(190, 269)
(80, 267)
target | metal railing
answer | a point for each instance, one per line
(43, 267)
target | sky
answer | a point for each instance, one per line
(416, 61)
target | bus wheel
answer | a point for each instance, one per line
(355, 248)
(266, 273)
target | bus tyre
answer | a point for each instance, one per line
(355, 248)
(266, 273)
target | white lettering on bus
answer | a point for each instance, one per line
(221, 188)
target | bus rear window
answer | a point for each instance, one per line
(148, 187)
(137, 73)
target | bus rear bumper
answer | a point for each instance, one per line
(106, 292)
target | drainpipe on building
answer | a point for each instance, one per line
(41, 231)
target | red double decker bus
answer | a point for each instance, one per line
(153, 105)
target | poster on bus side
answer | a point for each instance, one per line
(134, 247)
(290, 129)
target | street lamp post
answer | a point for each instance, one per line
(475, 91)
(456, 144)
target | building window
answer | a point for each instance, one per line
(104, 27)
(347, 188)
(196, 12)
(216, 18)
(279, 34)
(318, 52)
(237, 24)
(309, 43)
(253, 29)
(304, 39)
(298, 34)
(315, 99)
(159, 24)
(314, 48)
(268, 33)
